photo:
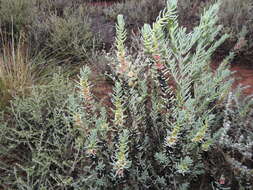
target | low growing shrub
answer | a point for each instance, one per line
(136, 12)
(237, 17)
(70, 36)
(16, 14)
(65, 36)
(237, 138)
(36, 151)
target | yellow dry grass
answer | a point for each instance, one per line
(16, 73)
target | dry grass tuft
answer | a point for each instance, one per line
(16, 72)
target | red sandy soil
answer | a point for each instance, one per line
(243, 75)
(101, 88)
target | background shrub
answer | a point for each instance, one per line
(236, 16)
(70, 36)
(16, 14)
(136, 12)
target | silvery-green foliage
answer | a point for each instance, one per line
(181, 118)
(236, 136)
(38, 140)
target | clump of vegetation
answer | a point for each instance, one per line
(67, 36)
(136, 12)
(16, 14)
(61, 31)
(71, 35)
(17, 74)
(36, 152)
(19, 71)
(237, 136)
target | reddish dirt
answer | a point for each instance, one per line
(101, 88)
(243, 75)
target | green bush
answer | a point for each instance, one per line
(19, 14)
(65, 36)
(136, 12)
(166, 117)
(36, 152)
(70, 36)
(237, 17)
(232, 14)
